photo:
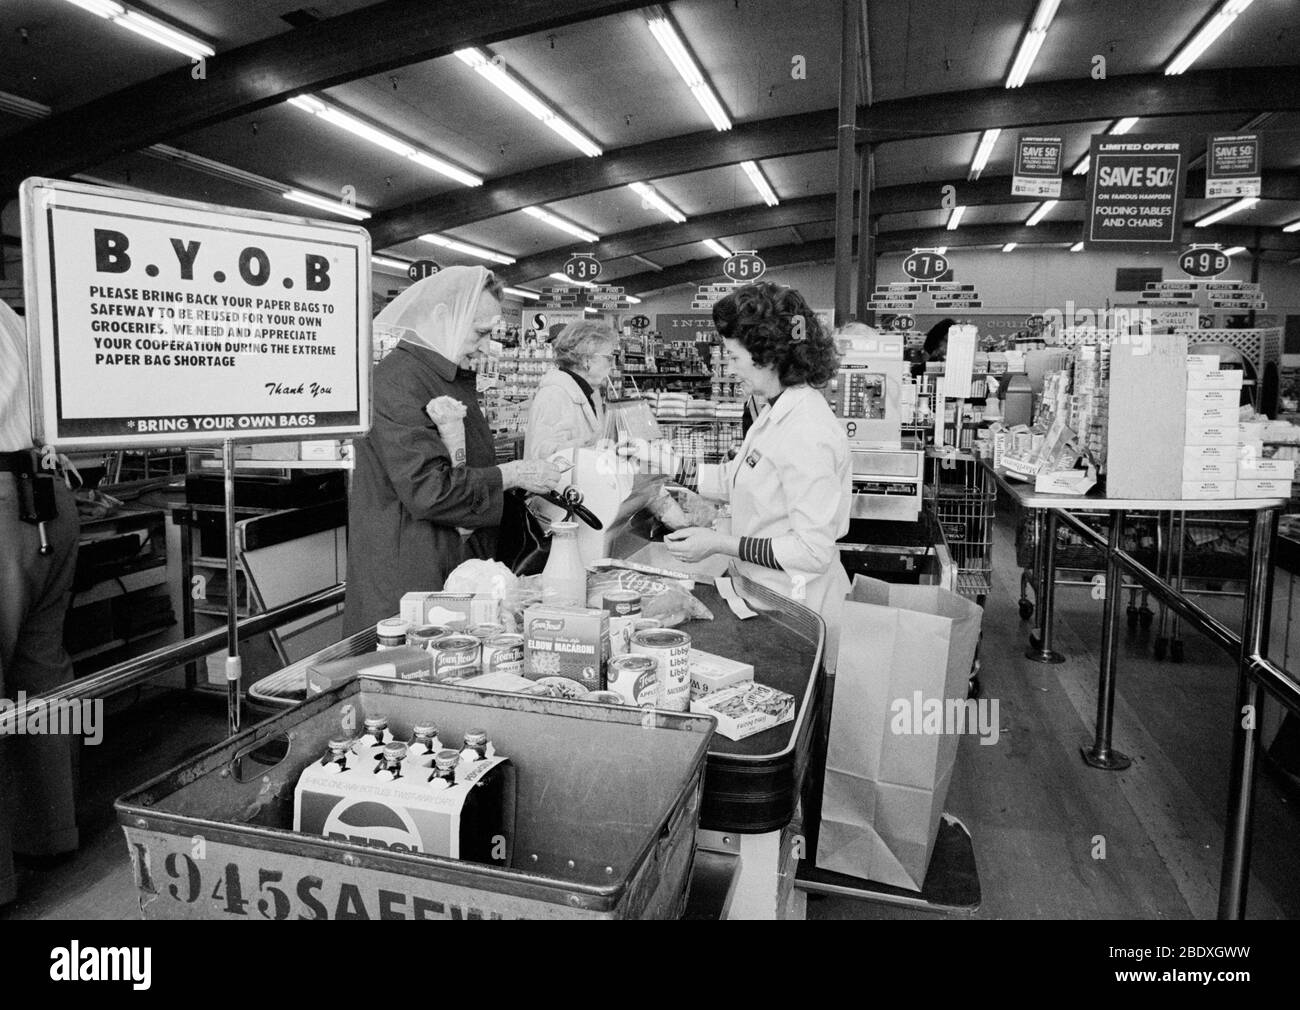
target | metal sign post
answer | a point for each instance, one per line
(234, 667)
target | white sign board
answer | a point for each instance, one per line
(155, 322)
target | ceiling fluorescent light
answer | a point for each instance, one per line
(521, 94)
(150, 28)
(217, 169)
(1293, 226)
(1123, 126)
(1245, 203)
(987, 142)
(1084, 164)
(561, 224)
(400, 266)
(358, 128)
(1203, 39)
(761, 184)
(1008, 247)
(942, 250)
(954, 219)
(1043, 210)
(467, 249)
(1032, 42)
(633, 299)
(717, 248)
(665, 33)
(1077, 247)
(648, 194)
(321, 203)
(1234, 250)
(568, 280)
(522, 293)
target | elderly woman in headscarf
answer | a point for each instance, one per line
(568, 410)
(421, 504)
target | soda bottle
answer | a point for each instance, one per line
(444, 768)
(424, 740)
(336, 761)
(483, 831)
(390, 763)
(477, 746)
(376, 735)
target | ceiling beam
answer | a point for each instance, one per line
(708, 269)
(1050, 103)
(370, 40)
(914, 198)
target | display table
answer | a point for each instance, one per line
(1247, 648)
(750, 815)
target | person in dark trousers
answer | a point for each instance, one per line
(37, 773)
(419, 504)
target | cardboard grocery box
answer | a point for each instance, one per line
(1203, 362)
(1211, 417)
(1266, 469)
(406, 663)
(430, 607)
(710, 673)
(1214, 434)
(1199, 470)
(1146, 413)
(322, 449)
(1263, 489)
(1215, 378)
(1208, 490)
(1251, 431)
(1226, 398)
(570, 642)
(745, 709)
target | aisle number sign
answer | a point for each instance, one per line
(159, 322)
(421, 269)
(1232, 166)
(744, 267)
(1135, 193)
(925, 265)
(1203, 261)
(1038, 167)
(582, 267)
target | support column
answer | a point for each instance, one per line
(846, 135)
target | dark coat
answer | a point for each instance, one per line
(407, 499)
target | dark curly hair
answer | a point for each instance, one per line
(763, 317)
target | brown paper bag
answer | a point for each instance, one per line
(902, 648)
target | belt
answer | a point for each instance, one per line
(20, 461)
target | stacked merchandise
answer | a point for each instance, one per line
(672, 406)
(519, 369)
(1087, 414)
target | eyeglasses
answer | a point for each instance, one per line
(490, 329)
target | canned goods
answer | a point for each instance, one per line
(646, 624)
(390, 633)
(484, 632)
(622, 602)
(423, 638)
(635, 679)
(455, 656)
(672, 649)
(504, 654)
(620, 634)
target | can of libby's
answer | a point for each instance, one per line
(504, 654)
(635, 679)
(622, 602)
(671, 649)
(455, 656)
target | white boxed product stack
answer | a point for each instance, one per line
(1212, 444)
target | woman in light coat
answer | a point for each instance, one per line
(568, 409)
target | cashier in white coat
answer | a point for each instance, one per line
(789, 486)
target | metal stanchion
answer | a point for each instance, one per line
(234, 667)
(1100, 754)
(1245, 735)
(1041, 652)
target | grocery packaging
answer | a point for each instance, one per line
(746, 709)
(710, 673)
(407, 662)
(661, 598)
(571, 642)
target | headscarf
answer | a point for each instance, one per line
(436, 312)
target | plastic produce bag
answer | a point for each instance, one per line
(662, 599)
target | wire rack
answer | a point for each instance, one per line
(962, 496)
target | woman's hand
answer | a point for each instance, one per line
(695, 544)
(537, 476)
